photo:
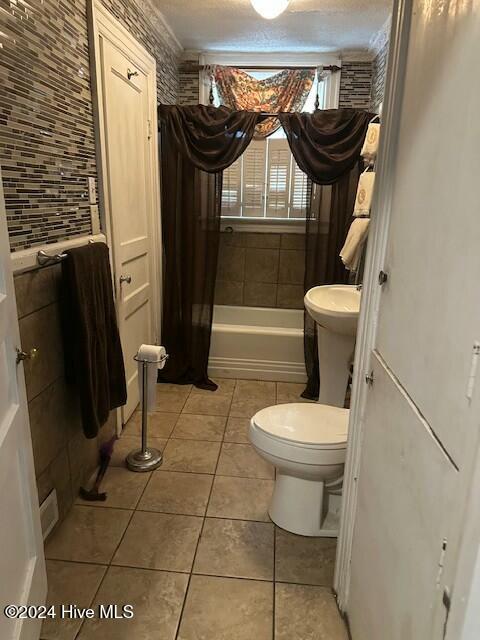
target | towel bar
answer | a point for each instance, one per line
(43, 258)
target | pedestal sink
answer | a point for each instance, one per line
(335, 309)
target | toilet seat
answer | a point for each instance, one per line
(306, 425)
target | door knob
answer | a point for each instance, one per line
(126, 279)
(23, 355)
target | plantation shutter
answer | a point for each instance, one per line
(299, 192)
(254, 159)
(278, 178)
(232, 189)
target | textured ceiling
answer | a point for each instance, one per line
(307, 25)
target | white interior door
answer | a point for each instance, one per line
(129, 187)
(22, 564)
(422, 414)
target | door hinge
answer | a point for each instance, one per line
(369, 379)
(149, 127)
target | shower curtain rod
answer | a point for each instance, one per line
(193, 68)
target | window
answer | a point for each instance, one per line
(266, 182)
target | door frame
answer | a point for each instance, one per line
(102, 24)
(370, 302)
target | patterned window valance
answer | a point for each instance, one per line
(285, 91)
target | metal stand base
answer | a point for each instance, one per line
(147, 460)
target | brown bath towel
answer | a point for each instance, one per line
(94, 359)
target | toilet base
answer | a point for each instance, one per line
(298, 506)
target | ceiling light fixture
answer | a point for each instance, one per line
(270, 9)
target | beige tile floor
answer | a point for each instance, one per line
(191, 545)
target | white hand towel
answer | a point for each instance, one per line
(352, 249)
(370, 146)
(363, 200)
(155, 356)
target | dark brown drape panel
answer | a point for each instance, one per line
(196, 144)
(326, 146)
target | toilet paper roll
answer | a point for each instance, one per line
(155, 357)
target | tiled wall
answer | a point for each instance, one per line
(261, 270)
(379, 73)
(356, 84)
(64, 458)
(189, 83)
(46, 123)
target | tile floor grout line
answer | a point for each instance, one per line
(116, 549)
(200, 536)
(180, 618)
(196, 515)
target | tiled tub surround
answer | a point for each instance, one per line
(63, 457)
(46, 122)
(190, 545)
(261, 270)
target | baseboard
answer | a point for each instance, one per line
(257, 369)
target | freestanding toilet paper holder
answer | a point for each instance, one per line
(146, 458)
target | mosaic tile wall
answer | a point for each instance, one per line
(189, 83)
(47, 146)
(356, 85)
(379, 73)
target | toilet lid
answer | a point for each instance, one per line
(305, 423)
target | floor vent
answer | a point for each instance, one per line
(49, 513)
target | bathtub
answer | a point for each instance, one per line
(257, 343)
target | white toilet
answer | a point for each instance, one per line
(307, 443)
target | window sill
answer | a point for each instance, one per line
(259, 225)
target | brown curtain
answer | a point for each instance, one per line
(326, 146)
(196, 144)
(285, 91)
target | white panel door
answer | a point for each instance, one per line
(22, 564)
(405, 505)
(127, 139)
(422, 418)
(432, 299)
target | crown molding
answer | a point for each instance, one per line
(356, 55)
(158, 20)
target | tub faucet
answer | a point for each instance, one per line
(359, 287)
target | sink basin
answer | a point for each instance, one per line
(335, 307)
